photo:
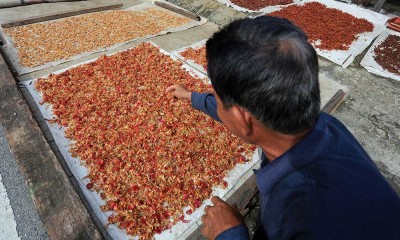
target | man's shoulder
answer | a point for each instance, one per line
(328, 200)
(334, 128)
(300, 178)
(342, 150)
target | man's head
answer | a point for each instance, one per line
(267, 67)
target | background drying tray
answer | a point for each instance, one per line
(369, 63)
(346, 57)
(12, 53)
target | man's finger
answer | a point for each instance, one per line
(204, 231)
(206, 209)
(216, 200)
(204, 219)
(206, 226)
(170, 89)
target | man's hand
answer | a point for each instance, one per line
(179, 91)
(219, 218)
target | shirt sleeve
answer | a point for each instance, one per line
(239, 232)
(206, 103)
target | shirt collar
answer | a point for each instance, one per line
(303, 153)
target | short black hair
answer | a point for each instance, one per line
(267, 66)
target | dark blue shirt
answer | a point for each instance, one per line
(325, 187)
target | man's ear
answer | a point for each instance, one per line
(244, 119)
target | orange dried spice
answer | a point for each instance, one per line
(327, 28)
(42, 43)
(198, 55)
(143, 153)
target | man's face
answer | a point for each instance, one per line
(226, 116)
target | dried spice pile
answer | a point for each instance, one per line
(42, 43)
(198, 55)
(327, 28)
(259, 4)
(387, 54)
(148, 155)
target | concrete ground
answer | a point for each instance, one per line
(371, 112)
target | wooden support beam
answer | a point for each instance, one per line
(334, 102)
(378, 6)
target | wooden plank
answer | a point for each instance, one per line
(59, 15)
(378, 6)
(244, 194)
(6, 58)
(178, 10)
(334, 102)
(2, 39)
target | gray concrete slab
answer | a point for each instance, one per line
(24, 212)
(8, 226)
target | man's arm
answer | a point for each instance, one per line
(204, 102)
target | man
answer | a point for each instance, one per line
(316, 181)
